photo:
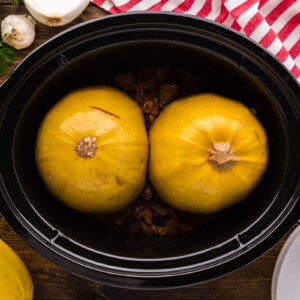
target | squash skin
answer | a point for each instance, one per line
(113, 178)
(180, 141)
(15, 280)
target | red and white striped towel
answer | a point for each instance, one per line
(275, 24)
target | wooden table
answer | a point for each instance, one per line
(51, 282)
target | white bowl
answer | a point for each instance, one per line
(286, 275)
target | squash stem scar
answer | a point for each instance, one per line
(222, 157)
(86, 147)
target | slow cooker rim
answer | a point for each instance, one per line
(161, 282)
(20, 227)
(264, 54)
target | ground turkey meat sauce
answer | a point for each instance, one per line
(153, 88)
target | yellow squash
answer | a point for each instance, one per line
(207, 152)
(92, 150)
(15, 280)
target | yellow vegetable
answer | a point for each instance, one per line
(15, 280)
(207, 153)
(92, 150)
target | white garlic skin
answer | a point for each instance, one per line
(18, 31)
(56, 12)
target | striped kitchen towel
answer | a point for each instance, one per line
(275, 24)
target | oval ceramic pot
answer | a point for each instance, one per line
(79, 57)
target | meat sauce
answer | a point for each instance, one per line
(153, 88)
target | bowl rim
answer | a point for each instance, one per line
(281, 260)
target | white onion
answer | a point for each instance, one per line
(56, 12)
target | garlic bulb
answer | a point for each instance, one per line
(56, 12)
(18, 31)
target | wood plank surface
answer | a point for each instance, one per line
(252, 282)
